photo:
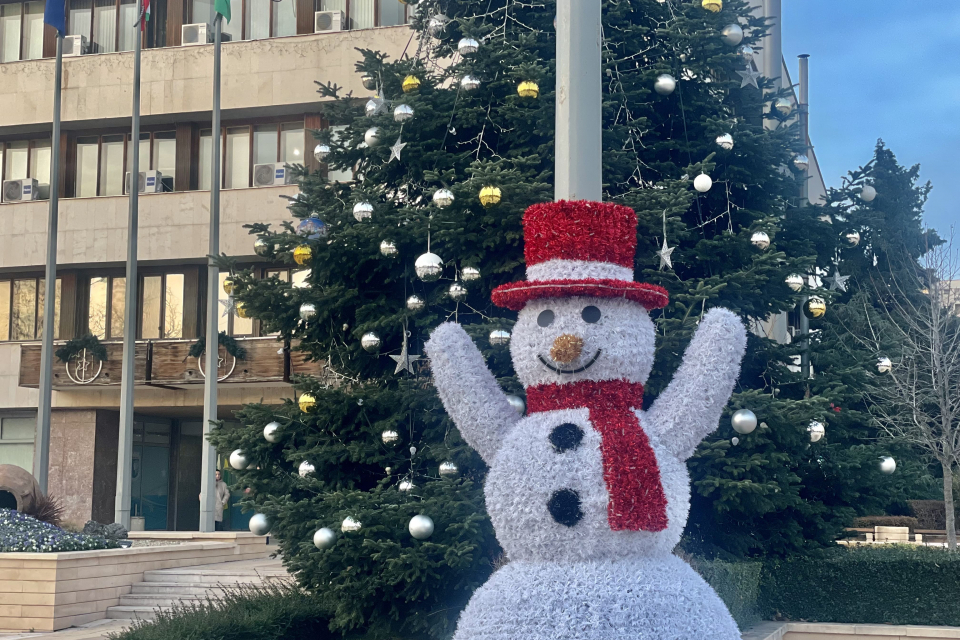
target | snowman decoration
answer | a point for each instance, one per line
(588, 493)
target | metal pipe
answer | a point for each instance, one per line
(42, 438)
(804, 109)
(773, 43)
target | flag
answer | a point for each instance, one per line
(144, 14)
(223, 8)
(54, 14)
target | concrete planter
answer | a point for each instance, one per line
(823, 631)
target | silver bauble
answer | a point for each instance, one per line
(665, 84)
(884, 364)
(436, 24)
(387, 248)
(734, 440)
(795, 281)
(415, 303)
(853, 238)
(238, 460)
(261, 247)
(801, 162)
(429, 267)
(457, 292)
(868, 194)
(499, 337)
(816, 431)
(362, 211)
(306, 468)
(308, 311)
(413, 451)
(783, 105)
(448, 469)
(388, 470)
(466, 46)
(350, 525)
(270, 432)
(402, 113)
(761, 240)
(732, 34)
(371, 108)
(324, 538)
(372, 137)
(744, 421)
(369, 82)
(746, 53)
(321, 151)
(443, 198)
(390, 436)
(470, 274)
(888, 465)
(517, 403)
(406, 485)
(421, 527)
(703, 183)
(470, 83)
(259, 525)
(725, 141)
(370, 342)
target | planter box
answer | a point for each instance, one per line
(820, 631)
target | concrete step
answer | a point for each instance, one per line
(202, 578)
(189, 588)
(163, 601)
(131, 613)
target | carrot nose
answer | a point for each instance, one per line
(566, 348)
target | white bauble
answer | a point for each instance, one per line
(868, 194)
(270, 432)
(761, 240)
(259, 525)
(350, 525)
(703, 183)
(517, 403)
(238, 460)
(732, 34)
(888, 465)
(884, 364)
(795, 281)
(324, 538)
(421, 527)
(744, 421)
(372, 137)
(816, 430)
(306, 468)
(665, 85)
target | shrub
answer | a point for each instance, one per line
(930, 514)
(886, 521)
(20, 532)
(884, 584)
(737, 584)
(252, 613)
(47, 509)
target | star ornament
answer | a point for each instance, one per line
(837, 282)
(666, 256)
(749, 77)
(404, 360)
(395, 150)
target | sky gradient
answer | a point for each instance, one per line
(882, 70)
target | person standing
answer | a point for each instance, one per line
(223, 499)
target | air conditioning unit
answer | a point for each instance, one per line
(149, 182)
(324, 21)
(75, 46)
(19, 190)
(199, 33)
(268, 175)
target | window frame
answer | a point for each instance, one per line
(37, 308)
(162, 274)
(251, 126)
(100, 134)
(23, 23)
(15, 415)
(376, 14)
(31, 145)
(110, 275)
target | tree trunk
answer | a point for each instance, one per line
(948, 506)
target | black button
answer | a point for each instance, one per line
(564, 506)
(566, 437)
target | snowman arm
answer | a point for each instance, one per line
(469, 392)
(690, 408)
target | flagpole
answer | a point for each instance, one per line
(41, 473)
(208, 493)
(127, 371)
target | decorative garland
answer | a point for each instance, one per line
(76, 346)
(232, 346)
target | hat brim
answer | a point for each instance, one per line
(515, 295)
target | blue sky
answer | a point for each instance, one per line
(883, 69)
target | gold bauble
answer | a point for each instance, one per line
(241, 311)
(490, 196)
(815, 308)
(713, 5)
(411, 84)
(529, 89)
(307, 402)
(302, 255)
(228, 286)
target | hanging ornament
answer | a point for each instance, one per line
(350, 525)
(801, 162)
(362, 211)
(420, 527)
(369, 82)
(517, 403)
(884, 364)
(713, 5)
(747, 54)
(261, 247)
(370, 342)
(389, 470)
(302, 255)
(413, 451)
(744, 421)
(749, 77)
(390, 437)
(470, 83)
(703, 183)
(396, 149)
(375, 107)
(448, 469)
(887, 465)
(321, 151)
(405, 360)
(406, 485)
(308, 311)
(457, 292)
(443, 198)
(270, 432)
(528, 89)
(795, 281)
(761, 240)
(259, 525)
(241, 311)
(665, 84)
(499, 337)
(868, 194)
(734, 440)
(466, 46)
(816, 431)
(732, 34)
(853, 238)
(372, 137)
(306, 468)
(388, 248)
(307, 402)
(402, 113)
(783, 106)
(725, 142)
(815, 307)
(470, 274)
(490, 196)
(238, 460)
(324, 538)
(411, 84)
(228, 286)
(837, 282)
(429, 267)
(312, 228)
(436, 24)
(415, 303)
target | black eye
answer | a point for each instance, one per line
(591, 314)
(545, 319)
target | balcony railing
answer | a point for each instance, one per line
(167, 363)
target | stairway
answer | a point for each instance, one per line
(165, 588)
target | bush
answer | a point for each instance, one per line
(48, 509)
(20, 532)
(886, 521)
(930, 514)
(251, 613)
(737, 584)
(888, 584)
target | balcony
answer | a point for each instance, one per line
(167, 364)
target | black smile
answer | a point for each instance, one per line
(583, 368)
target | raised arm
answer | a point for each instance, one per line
(689, 409)
(468, 390)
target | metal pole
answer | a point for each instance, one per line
(42, 472)
(773, 44)
(804, 108)
(208, 489)
(125, 442)
(579, 96)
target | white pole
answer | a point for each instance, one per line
(579, 96)
(773, 44)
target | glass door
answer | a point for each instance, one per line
(151, 472)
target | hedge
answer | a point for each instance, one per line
(888, 584)
(886, 521)
(931, 514)
(737, 584)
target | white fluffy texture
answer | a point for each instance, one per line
(578, 270)
(468, 390)
(690, 407)
(636, 598)
(625, 333)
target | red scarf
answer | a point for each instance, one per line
(637, 501)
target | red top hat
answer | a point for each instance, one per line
(579, 249)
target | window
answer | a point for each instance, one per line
(161, 313)
(233, 324)
(251, 19)
(236, 168)
(337, 175)
(111, 165)
(16, 442)
(21, 31)
(21, 309)
(26, 159)
(105, 307)
(107, 24)
(263, 144)
(364, 14)
(103, 161)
